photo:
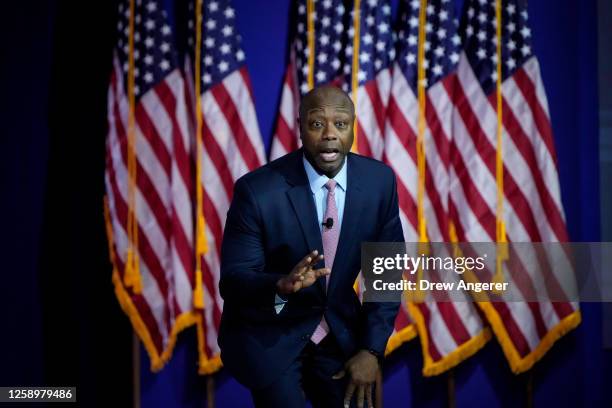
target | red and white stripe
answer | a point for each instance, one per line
(286, 138)
(371, 106)
(163, 201)
(447, 327)
(232, 146)
(370, 112)
(532, 204)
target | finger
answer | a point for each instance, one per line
(296, 277)
(300, 272)
(321, 272)
(369, 395)
(306, 269)
(314, 260)
(308, 259)
(338, 375)
(308, 262)
(350, 390)
(360, 396)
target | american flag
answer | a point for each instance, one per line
(375, 55)
(532, 209)
(156, 289)
(332, 33)
(315, 58)
(331, 50)
(449, 332)
(231, 145)
(164, 148)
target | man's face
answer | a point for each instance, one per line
(326, 125)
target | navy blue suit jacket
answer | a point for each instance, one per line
(271, 225)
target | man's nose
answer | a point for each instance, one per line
(330, 132)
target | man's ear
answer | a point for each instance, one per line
(299, 123)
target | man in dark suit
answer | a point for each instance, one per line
(292, 323)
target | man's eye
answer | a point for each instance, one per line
(341, 125)
(317, 124)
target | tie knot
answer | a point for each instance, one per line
(330, 185)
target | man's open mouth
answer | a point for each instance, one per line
(329, 155)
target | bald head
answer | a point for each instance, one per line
(325, 95)
(326, 121)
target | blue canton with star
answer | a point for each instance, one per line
(478, 30)
(221, 50)
(334, 33)
(330, 39)
(442, 42)
(154, 56)
(376, 45)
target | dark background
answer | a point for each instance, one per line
(61, 324)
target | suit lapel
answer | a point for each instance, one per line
(303, 204)
(304, 207)
(353, 207)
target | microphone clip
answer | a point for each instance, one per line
(328, 223)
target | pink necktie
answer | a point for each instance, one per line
(330, 242)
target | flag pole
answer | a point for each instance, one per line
(419, 296)
(420, 145)
(311, 42)
(135, 370)
(355, 67)
(450, 388)
(201, 246)
(131, 274)
(500, 225)
(529, 389)
(354, 87)
(210, 391)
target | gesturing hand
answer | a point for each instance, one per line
(362, 369)
(302, 275)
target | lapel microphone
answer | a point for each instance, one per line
(328, 223)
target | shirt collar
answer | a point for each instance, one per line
(317, 181)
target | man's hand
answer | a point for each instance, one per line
(303, 275)
(362, 369)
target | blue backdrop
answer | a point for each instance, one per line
(60, 321)
(575, 371)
